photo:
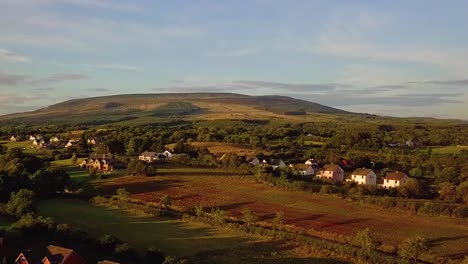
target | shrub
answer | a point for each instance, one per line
(218, 216)
(460, 211)
(412, 247)
(249, 217)
(328, 189)
(20, 203)
(434, 209)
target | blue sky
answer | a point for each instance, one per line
(400, 58)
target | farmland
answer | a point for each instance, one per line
(448, 149)
(172, 236)
(328, 214)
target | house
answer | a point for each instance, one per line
(102, 162)
(363, 176)
(312, 162)
(31, 138)
(41, 143)
(91, 141)
(394, 179)
(303, 169)
(148, 156)
(277, 163)
(252, 160)
(54, 140)
(331, 172)
(53, 255)
(14, 138)
(72, 142)
(169, 154)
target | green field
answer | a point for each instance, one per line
(448, 149)
(141, 232)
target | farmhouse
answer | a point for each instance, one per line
(53, 255)
(394, 179)
(252, 160)
(40, 143)
(91, 141)
(363, 176)
(102, 162)
(14, 138)
(148, 156)
(54, 140)
(331, 172)
(302, 169)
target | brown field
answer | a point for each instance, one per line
(228, 191)
(220, 147)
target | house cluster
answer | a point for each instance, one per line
(409, 143)
(100, 162)
(54, 255)
(334, 173)
(155, 156)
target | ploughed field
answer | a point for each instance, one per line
(232, 192)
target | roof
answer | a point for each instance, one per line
(362, 171)
(148, 154)
(250, 158)
(395, 175)
(62, 255)
(101, 156)
(301, 166)
(330, 167)
(276, 162)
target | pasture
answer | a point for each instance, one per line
(448, 149)
(324, 213)
(221, 147)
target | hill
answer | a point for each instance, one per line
(153, 107)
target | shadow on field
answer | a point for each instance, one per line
(228, 207)
(270, 252)
(141, 187)
(347, 222)
(440, 240)
(306, 218)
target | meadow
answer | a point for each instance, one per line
(448, 149)
(190, 187)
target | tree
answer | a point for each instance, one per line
(199, 211)
(448, 192)
(166, 201)
(122, 197)
(416, 172)
(249, 217)
(411, 189)
(218, 216)
(20, 203)
(278, 221)
(412, 247)
(153, 256)
(49, 182)
(462, 190)
(365, 239)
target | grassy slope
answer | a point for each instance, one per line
(323, 213)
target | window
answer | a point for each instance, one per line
(388, 180)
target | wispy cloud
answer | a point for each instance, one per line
(99, 89)
(12, 79)
(233, 53)
(7, 79)
(9, 56)
(120, 67)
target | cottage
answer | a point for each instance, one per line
(363, 176)
(394, 179)
(40, 143)
(169, 154)
(252, 160)
(53, 255)
(31, 138)
(312, 162)
(303, 169)
(277, 163)
(331, 172)
(14, 138)
(148, 156)
(101, 162)
(91, 141)
(72, 142)
(54, 140)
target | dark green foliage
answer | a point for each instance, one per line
(20, 203)
(176, 109)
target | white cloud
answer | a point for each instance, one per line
(9, 56)
(233, 53)
(121, 67)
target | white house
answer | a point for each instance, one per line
(168, 154)
(394, 179)
(303, 169)
(32, 138)
(71, 142)
(252, 160)
(148, 156)
(91, 141)
(331, 172)
(363, 176)
(54, 139)
(312, 162)
(14, 139)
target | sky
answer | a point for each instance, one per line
(398, 58)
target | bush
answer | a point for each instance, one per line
(434, 209)
(328, 189)
(460, 211)
(20, 203)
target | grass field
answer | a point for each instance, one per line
(141, 232)
(220, 147)
(448, 150)
(173, 237)
(448, 237)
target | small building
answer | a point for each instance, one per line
(169, 154)
(252, 160)
(40, 143)
(312, 162)
(363, 176)
(101, 162)
(394, 179)
(148, 156)
(53, 255)
(331, 172)
(14, 138)
(91, 141)
(277, 163)
(54, 140)
(31, 138)
(303, 169)
(72, 142)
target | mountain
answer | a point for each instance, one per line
(154, 107)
